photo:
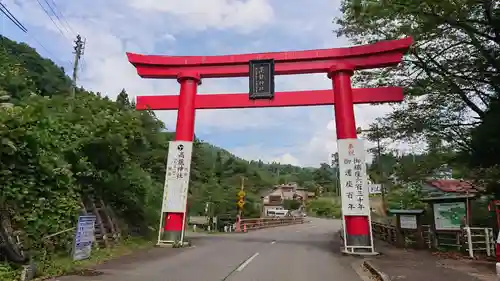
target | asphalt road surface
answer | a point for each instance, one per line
(291, 253)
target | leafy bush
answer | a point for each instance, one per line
(55, 150)
(406, 197)
(324, 207)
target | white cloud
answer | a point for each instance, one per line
(287, 158)
(242, 16)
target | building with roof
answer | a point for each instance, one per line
(276, 196)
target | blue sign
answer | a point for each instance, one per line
(84, 237)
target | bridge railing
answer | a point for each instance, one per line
(260, 223)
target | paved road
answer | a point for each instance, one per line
(291, 253)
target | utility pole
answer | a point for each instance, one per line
(379, 166)
(79, 47)
(376, 130)
(278, 175)
(336, 174)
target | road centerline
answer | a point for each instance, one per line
(248, 261)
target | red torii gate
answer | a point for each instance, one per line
(339, 64)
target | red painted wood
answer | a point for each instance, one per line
(281, 99)
(380, 54)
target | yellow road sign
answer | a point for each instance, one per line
(240, 204)
(241, 193)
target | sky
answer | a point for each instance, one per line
(303, 136)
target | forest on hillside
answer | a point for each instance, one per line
(56, 149)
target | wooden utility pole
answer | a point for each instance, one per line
(79, 47)
(380, 169)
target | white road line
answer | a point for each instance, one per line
(273, 242)
(249, 260)
(297, 230)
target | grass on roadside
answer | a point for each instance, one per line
(63, 264)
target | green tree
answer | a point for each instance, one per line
(452, 71)
(406, 197)
(290, 204)
(484, 146)
(324, 207)
(325, 176)
(123, 100)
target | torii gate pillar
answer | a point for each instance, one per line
(357, 227)
(184, 131)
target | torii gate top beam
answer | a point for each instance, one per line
(377, 55)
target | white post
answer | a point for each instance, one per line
(371, 232)
(487, 238)
(159, 228)
(469, 242)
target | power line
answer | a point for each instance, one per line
(12, 18)
(62, 15)
(55, 24)
(52, 9)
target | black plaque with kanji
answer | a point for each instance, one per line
(261, 75)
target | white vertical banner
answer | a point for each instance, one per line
(175, 190)
(353, 178)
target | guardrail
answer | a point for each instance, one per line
(476, 242)
(260, 223)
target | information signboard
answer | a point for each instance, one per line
(408, 221)
(84, 237)
(353, 178)
(261, 74)
(175, 190)
(449, 216)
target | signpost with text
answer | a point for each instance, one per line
(261, 79)
(175, 190)
(353, 184)
(84, 237)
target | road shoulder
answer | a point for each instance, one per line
(413, 265)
